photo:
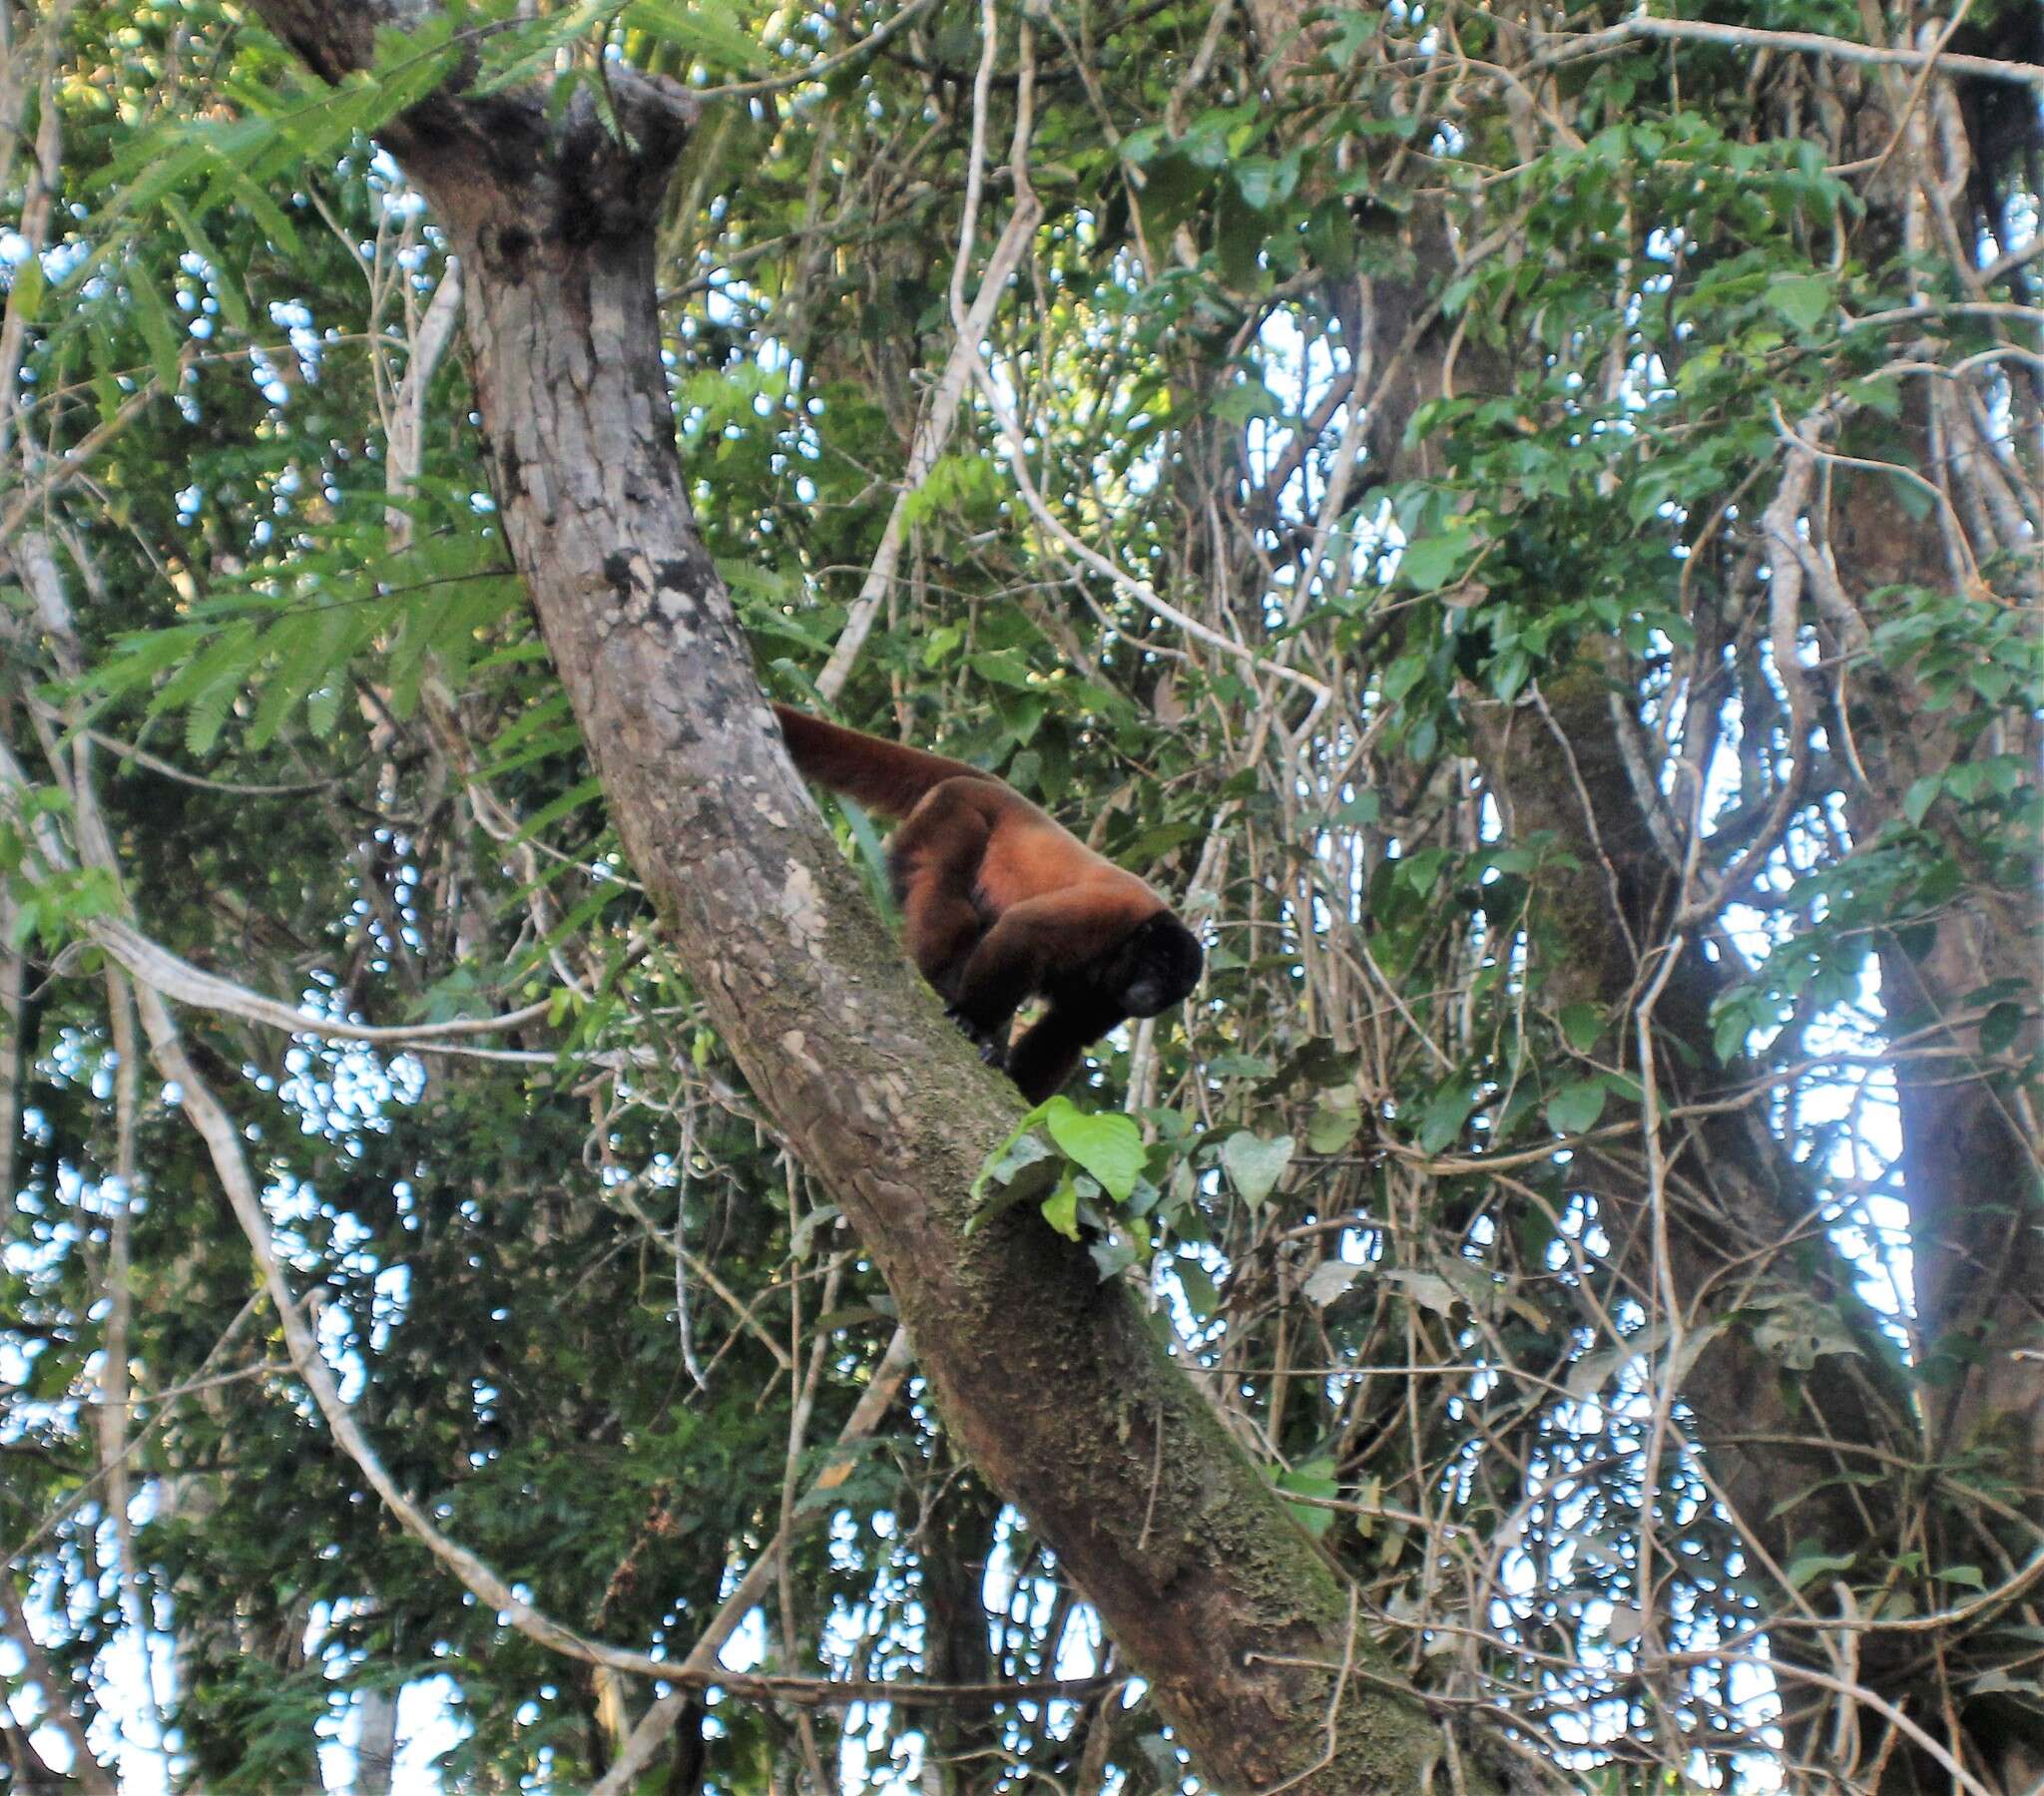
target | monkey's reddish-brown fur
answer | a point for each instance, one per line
(1000, 902)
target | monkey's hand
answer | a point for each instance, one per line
(992, 1049)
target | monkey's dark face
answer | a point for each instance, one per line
(1157, 966)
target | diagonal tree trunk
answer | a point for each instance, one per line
(1052, 1379)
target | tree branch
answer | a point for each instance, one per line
(1051, 1381)
(1807, 43)
(86, 1770)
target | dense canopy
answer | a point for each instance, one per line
(1523, 521)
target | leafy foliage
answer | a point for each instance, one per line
(1612, 896)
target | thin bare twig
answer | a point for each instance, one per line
(1807, 43)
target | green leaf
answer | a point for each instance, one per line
(1576, 1106)
(1507, 675)
(1806, 1568)
(1920, 796)
(1336, 1119)
(302, 644)
(1240, 231)
(570, 801)
(1250, 399)
(30, 284)
(264, 210)
(1917, 504)
(1106, 1144)
(1403, 673)
(1264, 180)
(1348, 30)
(1434, 561)
(323, 708)
(1022, 1166)
(208, 715)
(1998, 1028)
(1731, 1024)
(1446, 1111)
(1004, 668)
(1330, 238)
(1061, 1209)
(1313, 1479)
(207, 686)
(1255, 1165)
(140, 657)
(703, 31)
(1581, 1024)
(1802, 298)
(160, 331)
(1625, 1087)
(547, 716)
(226, 289)
(1420, 872)
(1174, 186)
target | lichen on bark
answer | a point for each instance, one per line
(1051, 1379)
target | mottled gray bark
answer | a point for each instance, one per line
(1053, 1382)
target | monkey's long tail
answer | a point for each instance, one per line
(884, 776)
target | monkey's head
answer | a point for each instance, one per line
(1155, 967)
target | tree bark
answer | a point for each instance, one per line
(1052, 1381)
(1785, 1445)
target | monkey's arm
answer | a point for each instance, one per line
(935, 859)
(1050, 1049)
(1043, 940)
